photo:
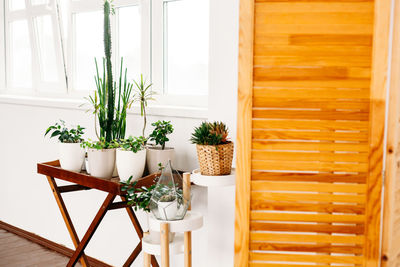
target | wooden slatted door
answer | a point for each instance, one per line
(311, 115)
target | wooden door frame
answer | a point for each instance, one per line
(244, 132)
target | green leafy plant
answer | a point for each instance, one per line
(139, 198)
(65, 135)
(143, 95)
(160, 132)
(207, 133)
(99, 145)
(110, 100)
(133, 144)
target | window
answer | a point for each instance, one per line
(51, 46)
(33, 46)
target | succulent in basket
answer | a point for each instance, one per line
(214, 149)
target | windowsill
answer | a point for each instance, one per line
(153, 110)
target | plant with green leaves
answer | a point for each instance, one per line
(110, 100)
(139, 198)
(99, 144)
(160, 132)
(143, 95)
(207, 133)
(65, 134)
(133, 144)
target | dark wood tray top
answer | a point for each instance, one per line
(113, 186)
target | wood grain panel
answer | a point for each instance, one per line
(254, 256)
(307, 187)
(312, 118)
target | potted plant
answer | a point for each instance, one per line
(139, 199)
(109, 103)
(159, 153)
(131, 158)
(214, 149)
(70, 152)
(101, 157)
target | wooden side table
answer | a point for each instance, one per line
(182, 242)
(83, 181)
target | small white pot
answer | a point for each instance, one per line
(101, 162)
(156, 155)
(168, 210)
(71, 156)
(130, 164)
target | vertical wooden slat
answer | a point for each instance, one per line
(377, 131)
(244, 132)
(390, 242)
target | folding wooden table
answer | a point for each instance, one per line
(83, 181)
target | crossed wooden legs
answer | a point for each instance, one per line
(107, 205)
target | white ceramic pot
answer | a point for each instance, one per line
(71, 156)
(156, 155)
(130, 164)
(167, 210)
(101, 162)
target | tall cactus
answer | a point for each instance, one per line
(109, 78)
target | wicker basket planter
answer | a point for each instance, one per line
(215, 160)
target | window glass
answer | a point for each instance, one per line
(186, 47)
(20, 55)
(88, 46)
(16, 4)
(39, 2)
(130, 39)
(47, 51)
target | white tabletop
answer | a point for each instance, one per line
(192, 221)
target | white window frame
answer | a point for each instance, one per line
(152, 65)
(29, 13)
(2, 50)
(158, 64)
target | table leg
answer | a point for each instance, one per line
(139, 232)
(92, 228)
(146, 257)
(164, 232)
(68, 222)
(188, 249)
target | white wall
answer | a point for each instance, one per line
(26, 199)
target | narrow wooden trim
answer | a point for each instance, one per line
(392, 148)
(187, 235)
(243, 143)
(72, 188)
(377, 132)
(48, 243)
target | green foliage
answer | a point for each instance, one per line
(99, 145)
(160, 132)
(65, 135)
(207, 133)
(133, 144)
(143, 95)
(139, 198)
(111, 99)
(109, 78)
